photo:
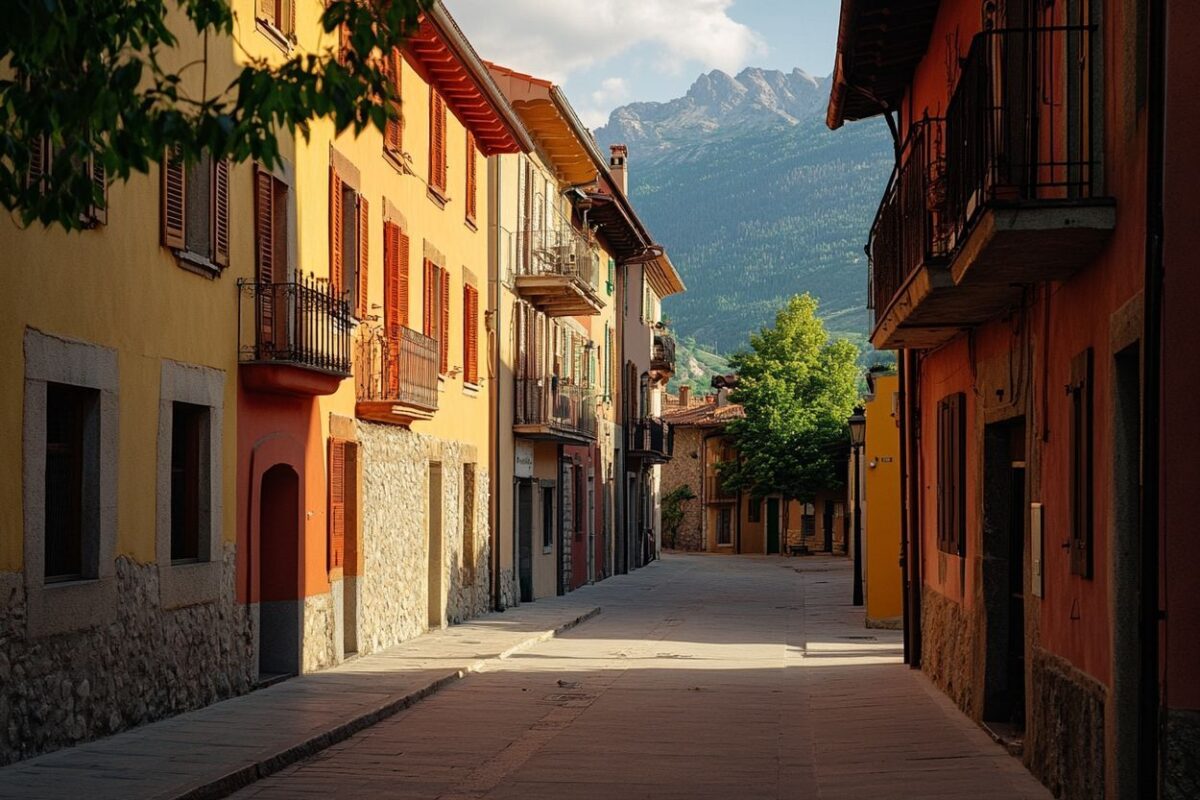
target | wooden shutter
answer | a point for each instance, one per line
(173, 199)
(394, 134)
(291, 31)
(471, 185)
(337, 503)
(437, 141)
(220, 212)
(37, 162)
(98, 214)
(471, 334)
(427, 298)
(1081, 464)
(951, 472)
(337, 263)
(362, 212)
(266, 11)
(444, 332)
(264, 252)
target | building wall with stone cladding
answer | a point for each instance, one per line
(393, 603)
(1064, 741)
(147, 664)
(686, 469)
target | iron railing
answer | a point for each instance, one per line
(662, 357)
(553, 251)
(1019, 124)
(906, 231)
(401, 368)
(568, 408)
(651, 436)
(302, 323)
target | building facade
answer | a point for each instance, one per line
(880, 482)
(1015, 264)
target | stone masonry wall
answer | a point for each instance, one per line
(949, 644)
(393, 604)
(1182, 779)
(320, 630)
(149, 663)
(685, 469)
(1064, 742)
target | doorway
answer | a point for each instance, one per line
(1004, 514)
(772, 525)
(827, 522)
(434, 588)
(525, 539)
(280, 609)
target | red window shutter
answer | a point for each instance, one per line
(394, 135)
(98, 215)
(444, 276)
(337, 503)
(291, 17)
(471, 190)
(220, 212)
(427, 298)
(391, 304)
(471, 334)
(337, 266)
(437, 141)
(1082, 499)
(266, 11)
(402, 275)
(360, 293)
(264, 251)
(173, 194)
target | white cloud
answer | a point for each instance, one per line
(612, 91)
(554, 38)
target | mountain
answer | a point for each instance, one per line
(755, 199)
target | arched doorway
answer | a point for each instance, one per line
(280, 607)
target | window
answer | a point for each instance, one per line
(437, 144)
(468, 551)
(1081, 464)
(437, 311)
(195, 209)
(754, 510)
(343, 494)
(280, 15)
(393, 139)
(271, 255)
(547, 518)
(471, 334)
(72, 481)
(395, 298)
(349, 221)
(725, 527)
(611, 277)
(952, 472)
(189, 479)
(472, 182)
(41, 158)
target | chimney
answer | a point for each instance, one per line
(685, 396)
(618, 165)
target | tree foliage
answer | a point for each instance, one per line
(89, 77)
(672, 512)
(798, 387)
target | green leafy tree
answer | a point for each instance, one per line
(672, 511)
(88, 77)
(798, 387)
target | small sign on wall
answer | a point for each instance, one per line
(1035, 546)
(523, 460)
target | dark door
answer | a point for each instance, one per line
(525, 539)
(827, 521)
(772, 525)
(280, 606)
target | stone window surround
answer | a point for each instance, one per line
(197, 582)
(75, 605)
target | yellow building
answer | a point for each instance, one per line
(882, 581)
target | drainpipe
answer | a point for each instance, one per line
(494, 394)
(1153, 671)
(912, 447)
(901, 419)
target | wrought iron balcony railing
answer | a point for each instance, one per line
(400, 368)
(550, 406)
(299, 323)
(652, 438)
(662, 357)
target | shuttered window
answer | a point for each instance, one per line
(393, 139)
(195, 208)
(437, 142)
(471, 334)
(395, 297)
(362, 240)
(349, 238)
(437, 311)
(343, 490)
(279, 14)
(444, 328)
(337, 219)
(270, 253)
(41, 157)
(952, 473)
(1082, 498)
(472, 186)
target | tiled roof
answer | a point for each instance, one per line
(705, 415)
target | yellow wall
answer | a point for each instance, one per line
(881, 529)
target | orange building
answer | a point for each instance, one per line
(1009, 264)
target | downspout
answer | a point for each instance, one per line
(912, 490)
(906, 588)
(494, 174)
(1153, 670)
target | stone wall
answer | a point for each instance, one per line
(949, 646)
(319, 633)
(1064, 741)
(686, 469)
(149, 663)
(1182, 779)
(393, 599)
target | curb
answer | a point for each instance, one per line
(268, 765)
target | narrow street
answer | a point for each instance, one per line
(716, 677)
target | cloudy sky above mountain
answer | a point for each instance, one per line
(605, 53)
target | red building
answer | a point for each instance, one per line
(1016, 266)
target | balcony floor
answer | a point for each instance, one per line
(560, 295)
(290, 378)
(552, 433)
(392, 412)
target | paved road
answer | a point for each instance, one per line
(708, 677)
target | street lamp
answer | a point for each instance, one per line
(858, 435)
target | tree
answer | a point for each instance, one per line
(797, 388)
(86, 78)
(672, 512)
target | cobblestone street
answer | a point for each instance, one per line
(717, 677)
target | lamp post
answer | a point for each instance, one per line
(858, 435)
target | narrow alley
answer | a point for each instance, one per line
(747, 677)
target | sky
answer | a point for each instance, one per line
(606, 53)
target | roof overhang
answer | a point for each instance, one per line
(441, 53)
(552, 123)
(880, 43)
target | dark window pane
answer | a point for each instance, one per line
(187, 440)
(67, 413)
(199, 207)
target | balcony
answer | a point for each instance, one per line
(557, 271)
(715, 492)
(662, 356)
(552, 410)
(397, 376)
(650, 440)
(999, 194)
(293, 338)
